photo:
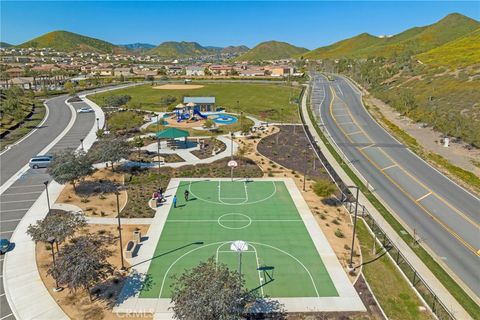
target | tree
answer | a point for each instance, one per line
(137, 142)
(118, 100)
(70, 87)
(212, 291)
(59, 224)
(111, 150)
(82, 263)
(69, 166)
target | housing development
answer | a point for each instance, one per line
(263, 180)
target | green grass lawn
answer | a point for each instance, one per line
(261, 213)
(24, 129)
(265, 101)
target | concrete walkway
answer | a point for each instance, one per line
(441, 292)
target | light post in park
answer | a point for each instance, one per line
(119, 230)
(350, 263)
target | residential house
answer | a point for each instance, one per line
(195, 71)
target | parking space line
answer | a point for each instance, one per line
(10, 231)
(15, 201)
(13, 210)
(8, 315)
(27, 186)
(423, 197)
(21, 193)
(3, 221)
(389, 167)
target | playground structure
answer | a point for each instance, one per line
(189, 115)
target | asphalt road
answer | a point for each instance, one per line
(20, 196)
(443, 215)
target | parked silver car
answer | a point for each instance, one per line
(40, 161)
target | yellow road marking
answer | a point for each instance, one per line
(423, 197)
(440, 222)
(356, 132)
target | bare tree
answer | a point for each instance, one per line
(59, 224)
(70, 166)
(82, 264)
(111, 150)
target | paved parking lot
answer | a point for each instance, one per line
(20, 196)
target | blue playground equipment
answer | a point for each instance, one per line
(181, 116)
(196, 111)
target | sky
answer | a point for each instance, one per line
(307, 24)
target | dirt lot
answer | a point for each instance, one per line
(178, 86)
(95, 202)
(77, 305)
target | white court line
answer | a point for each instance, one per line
(423, 197)
(233, 220)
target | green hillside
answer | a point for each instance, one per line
(69, 41)
(422, 39)
(271, 50)
(235, 49)
(173, 49)
(5, 45)
(459, 53)
(344, 48)
(412, 41)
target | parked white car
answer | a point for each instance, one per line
(85, 110)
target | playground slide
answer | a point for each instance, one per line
(198, 113)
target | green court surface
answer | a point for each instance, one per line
(263, 214)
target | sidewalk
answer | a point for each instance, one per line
(441, 292)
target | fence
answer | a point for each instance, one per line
(437, 306)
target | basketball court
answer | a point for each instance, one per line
(284, 253)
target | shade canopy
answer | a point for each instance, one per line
(172, 133)
(180, 106)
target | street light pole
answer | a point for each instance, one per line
(231, 145)
(119, 229)
(98, 124)
(48, 198)
(350, 264)
(305, 168)
(51, 240)
(81, 142)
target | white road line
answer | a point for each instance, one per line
(21, 193)
(11, 231)
(423, 197)
(389, 167)
(28, 186)
(3, 221)
(8, 315)
(344, 123)
(15, 201)
(370, 145)
(13, 210)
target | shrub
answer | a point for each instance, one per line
(323, 188)
(339, 233)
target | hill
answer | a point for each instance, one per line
(137, 47)
(68, 42)
(235, 49)
(459, 53)
(271, 50)
(5, 45)
(412, 41)
(173, 49)
(344, 48)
